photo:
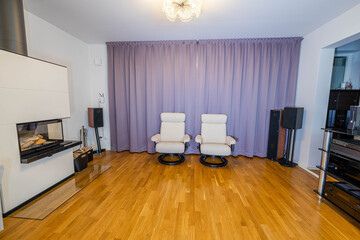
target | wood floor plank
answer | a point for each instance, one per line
(139, 198)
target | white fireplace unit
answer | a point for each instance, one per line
(31, 90)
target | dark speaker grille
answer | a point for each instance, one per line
(293, 117)
(273, 134)
(98, 117)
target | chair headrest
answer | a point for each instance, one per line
(214, 118)
(172, 117)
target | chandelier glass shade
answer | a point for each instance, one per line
(184, 9)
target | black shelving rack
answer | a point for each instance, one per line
(342, 192)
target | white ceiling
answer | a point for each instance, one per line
(99, 21)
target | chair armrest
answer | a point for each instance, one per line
(187, 138)
(198, 139)
(156, 138)
(230, 140)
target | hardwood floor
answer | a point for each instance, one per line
(139, 198)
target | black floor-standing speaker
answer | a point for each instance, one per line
(293, 118)
(277, 135)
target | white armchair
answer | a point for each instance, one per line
(213, 141)
(172, 140)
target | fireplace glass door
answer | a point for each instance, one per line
(39, 136)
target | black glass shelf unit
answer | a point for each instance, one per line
(343, 131)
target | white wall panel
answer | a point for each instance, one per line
(19, 105)
(22, 72)
(30, 90)
(23, 181)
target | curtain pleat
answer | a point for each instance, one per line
(242, 78)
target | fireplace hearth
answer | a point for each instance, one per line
(41, 139)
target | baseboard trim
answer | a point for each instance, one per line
(312, 173)
(36, 196)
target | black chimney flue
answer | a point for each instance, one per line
(12, 27)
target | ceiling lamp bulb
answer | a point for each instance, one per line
(184, 9)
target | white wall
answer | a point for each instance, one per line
(314, 81)
(86, 80)
(50, 43)
(98, 79)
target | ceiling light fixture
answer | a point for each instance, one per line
(184, 9)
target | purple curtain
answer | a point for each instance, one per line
(243, 78)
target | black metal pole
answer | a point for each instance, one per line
(98, 141)
(288, 144)
(292, 148)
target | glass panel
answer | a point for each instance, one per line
(39, 135)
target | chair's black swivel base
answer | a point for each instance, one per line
(223, 163)
(163, 155)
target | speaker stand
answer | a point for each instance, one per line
(288, 159)
(98, 141)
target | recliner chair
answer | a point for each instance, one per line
(213, 141)
(172, 140)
